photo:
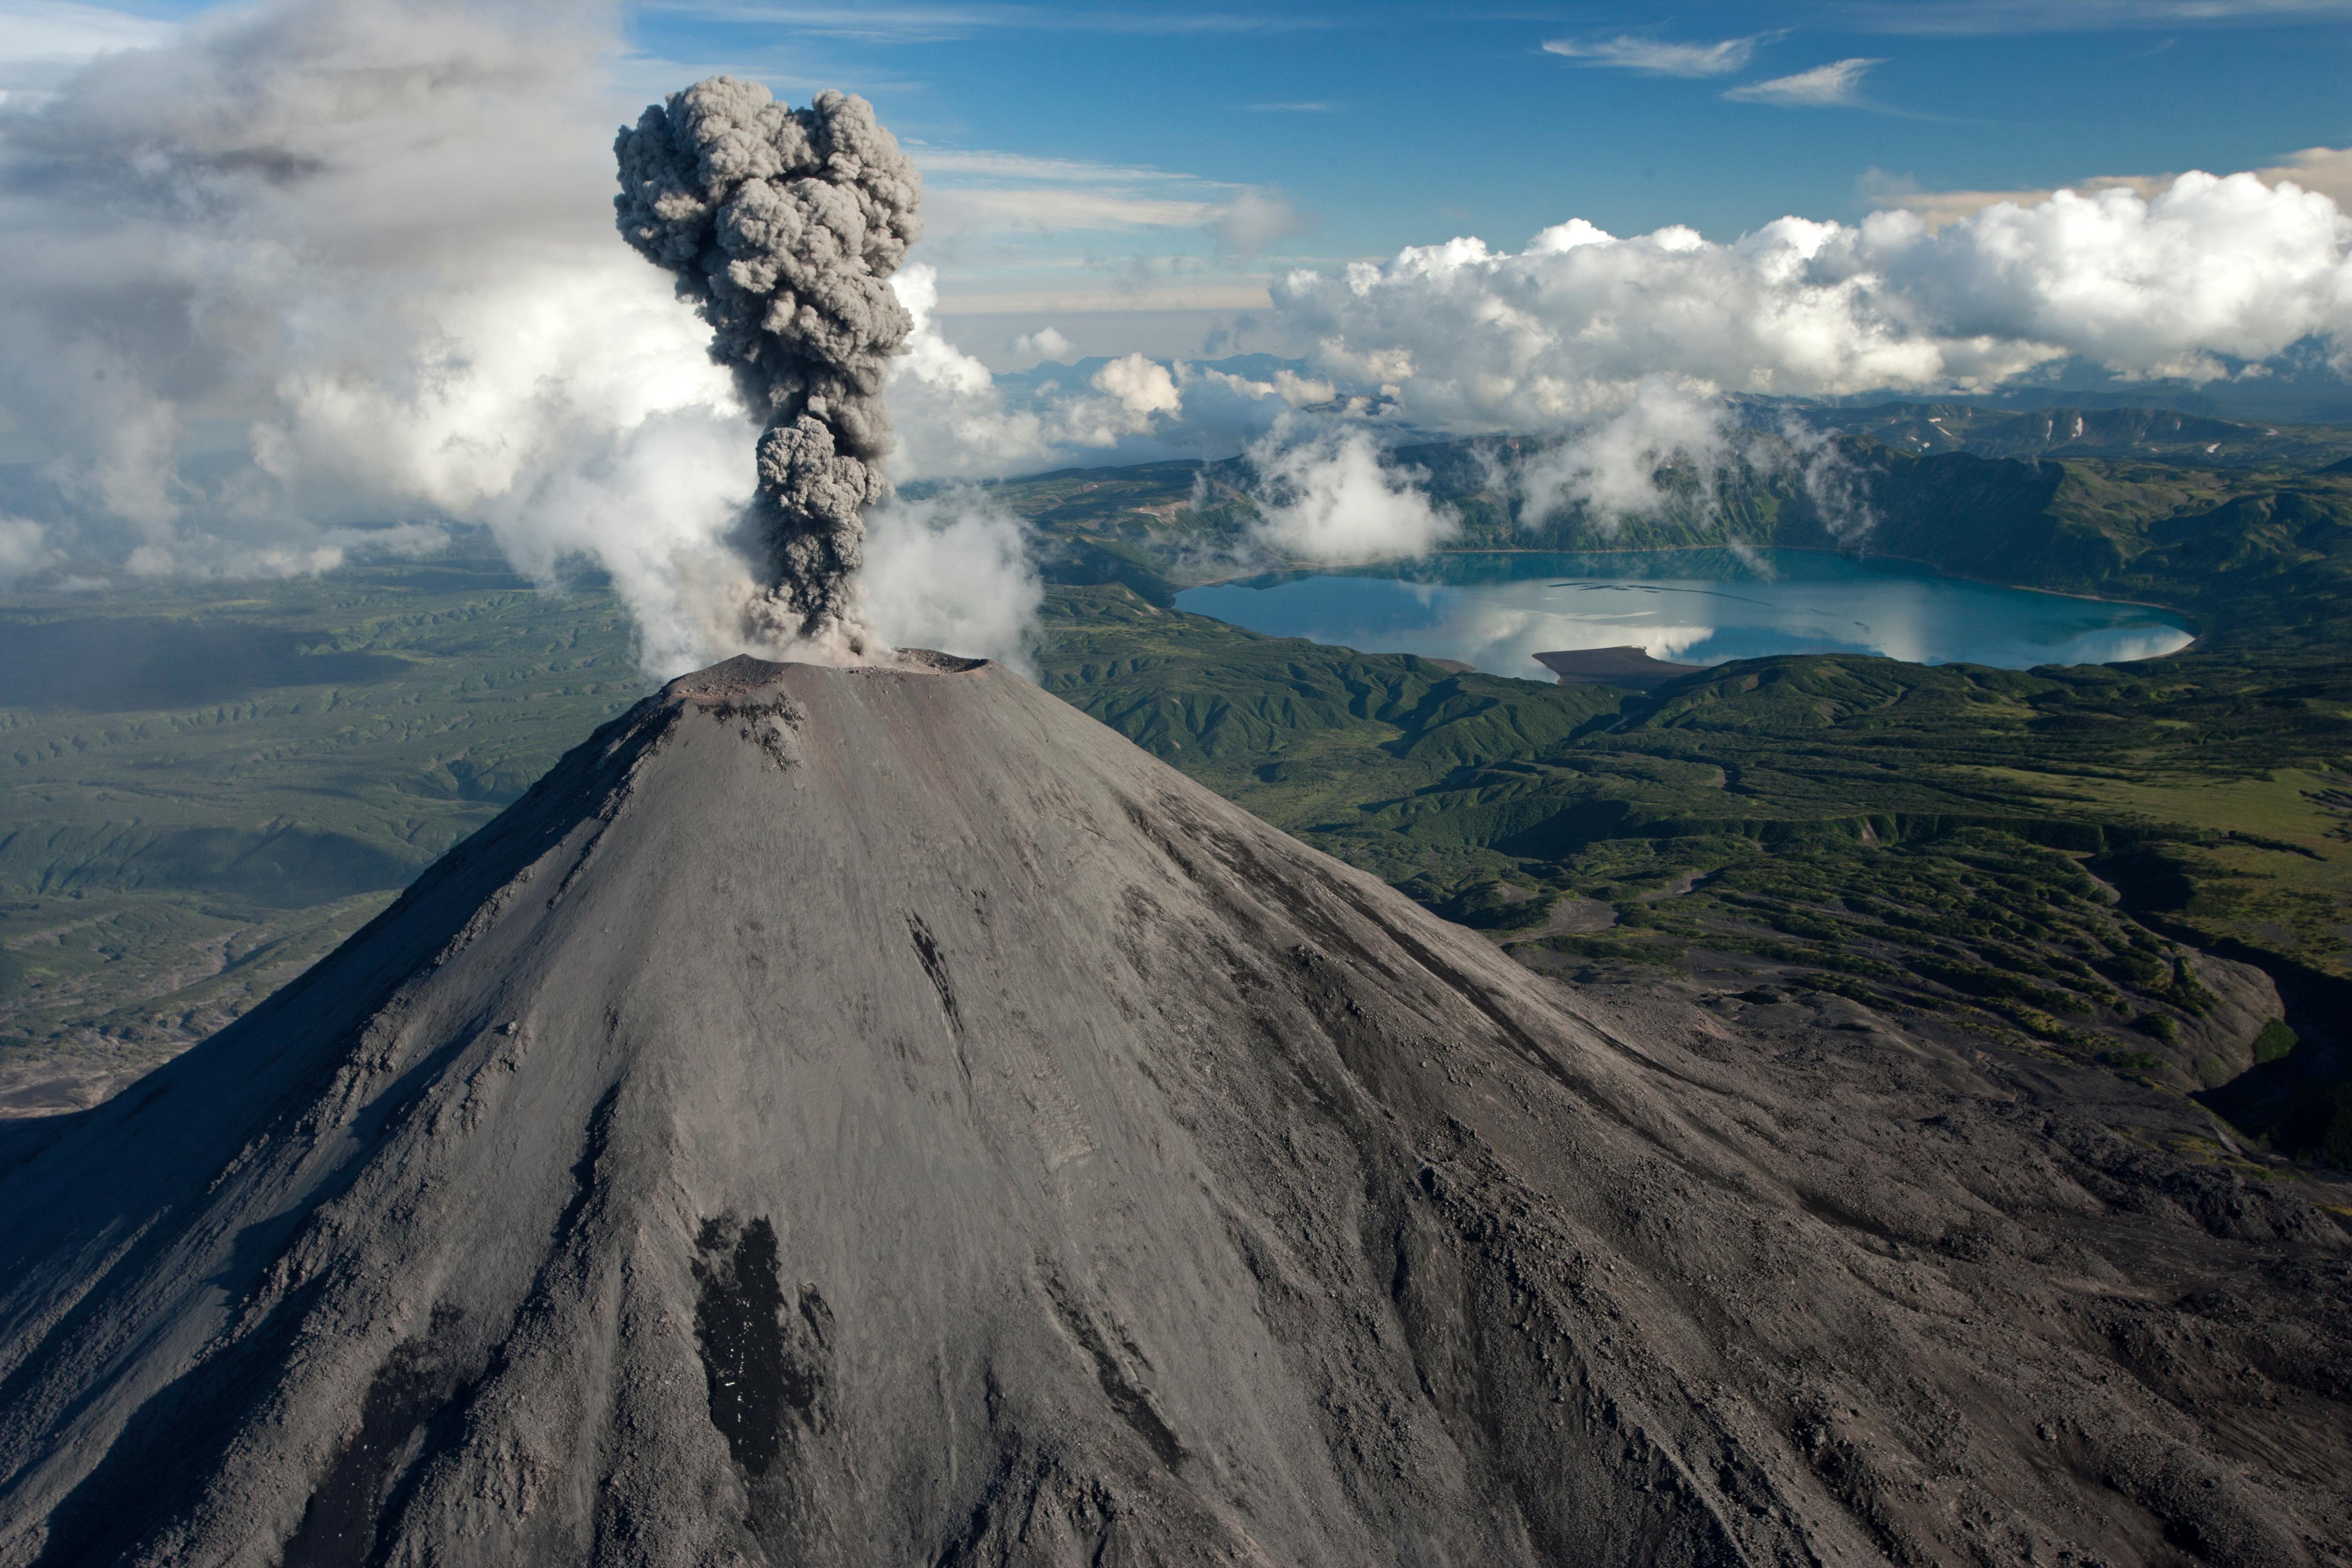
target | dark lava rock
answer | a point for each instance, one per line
(881, 1116)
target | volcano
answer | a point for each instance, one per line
(880, 1116)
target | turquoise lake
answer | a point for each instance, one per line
(1496, 611)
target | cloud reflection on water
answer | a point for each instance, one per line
(1497, 611)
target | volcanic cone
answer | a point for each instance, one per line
(880, 1116)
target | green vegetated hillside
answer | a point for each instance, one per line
(202, 793)
(2043, 856)
(207, 789)
(2135, 435)
(2230, 542)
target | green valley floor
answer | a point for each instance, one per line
(2143, 871)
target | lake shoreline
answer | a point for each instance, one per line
(2022, 648)
(2196, 633)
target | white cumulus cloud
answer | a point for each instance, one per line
(2208, 272)
(1045, 343)
(1610, 466)
(2324, 169)
(953, 423)
(950, 420)
(2327, 170)
(1141, 387)
(23, 549)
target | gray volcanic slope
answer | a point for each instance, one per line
(879, 1116)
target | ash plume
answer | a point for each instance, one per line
(783, 225)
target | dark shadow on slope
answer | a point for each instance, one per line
(133, 664)
(287, 868)
(2300, 1102)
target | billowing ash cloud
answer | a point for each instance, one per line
(783, 227)
(266, 309)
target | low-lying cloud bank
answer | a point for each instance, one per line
(321, 278)
(1324, 493)
(1630, 345)
(2199, 282)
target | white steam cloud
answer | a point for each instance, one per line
(1611, 466)
(952, 573)
(322, 276)
(267, 303)
(268, 300)
(1326, 493)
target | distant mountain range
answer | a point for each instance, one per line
(2168, 435)
(1020, 386)
(2313, 396)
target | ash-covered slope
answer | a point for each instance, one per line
(882, 1117)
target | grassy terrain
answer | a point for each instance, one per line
(2045, 854)
(2262, 546)
(205, 792)
(201, 794)
(2041, 854)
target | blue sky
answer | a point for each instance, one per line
(1392, 125)
(276, 277)
(1429, 117)
(1132, 174)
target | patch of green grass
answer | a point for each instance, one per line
(202, 792)
(1993, 842)
(233, 780)
(2133, 1061)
